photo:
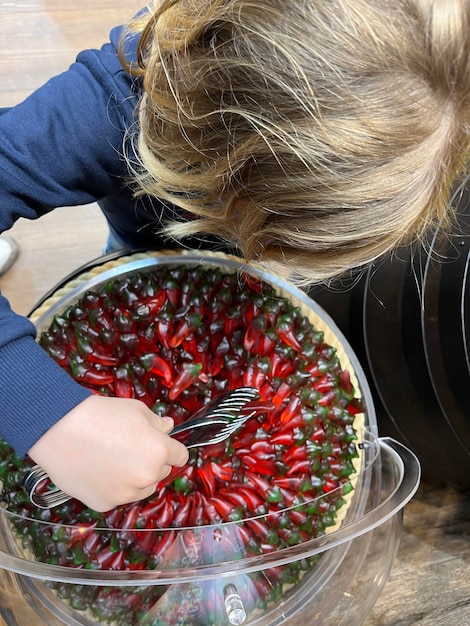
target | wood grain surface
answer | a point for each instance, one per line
(429, 584)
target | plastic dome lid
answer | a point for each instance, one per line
(208, 570)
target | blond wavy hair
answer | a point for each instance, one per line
(315, 135)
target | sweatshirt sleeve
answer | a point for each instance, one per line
(61, 147)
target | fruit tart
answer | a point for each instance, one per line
(175, 330)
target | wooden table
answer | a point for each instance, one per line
(429, 584)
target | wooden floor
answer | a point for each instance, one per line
(39, 39)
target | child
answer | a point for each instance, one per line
(312, 137)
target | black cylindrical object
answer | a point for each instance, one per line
(408, 320)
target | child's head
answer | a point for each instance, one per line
(315, 134)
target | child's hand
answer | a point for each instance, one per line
(109, 451)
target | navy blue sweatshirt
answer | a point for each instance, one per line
(63, 146)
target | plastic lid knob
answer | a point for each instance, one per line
(234, 606)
